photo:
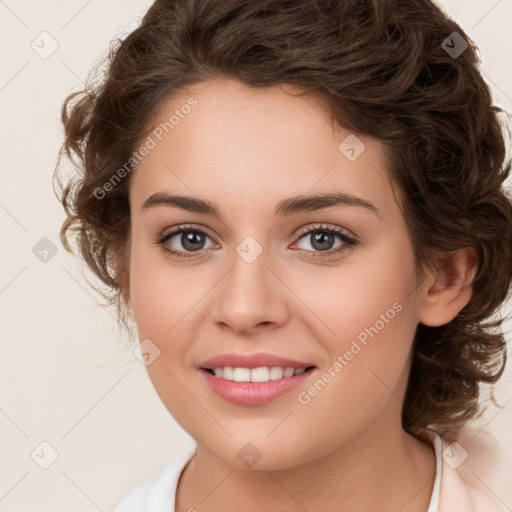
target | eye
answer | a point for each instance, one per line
(321, 240)
(190, 238)
(193, 239)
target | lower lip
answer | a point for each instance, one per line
(253, 393)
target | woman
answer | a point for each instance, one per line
(339, 167)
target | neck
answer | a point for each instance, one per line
(379, 469)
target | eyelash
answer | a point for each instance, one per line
(348, 241)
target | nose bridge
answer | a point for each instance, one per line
(251, 294)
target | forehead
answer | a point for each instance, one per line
(255, 145)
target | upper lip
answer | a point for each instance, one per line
(252, 361)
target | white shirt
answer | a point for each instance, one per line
(453, 489)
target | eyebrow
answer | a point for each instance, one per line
(285, 207)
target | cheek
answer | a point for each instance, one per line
(368, 366)
(159, 293)
(161, 298)
(372, 291)
(369, 312)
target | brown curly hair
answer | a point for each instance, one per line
(384, 69)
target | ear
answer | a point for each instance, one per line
(449, 288)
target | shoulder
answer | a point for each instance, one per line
(157, 491)
(474, 475)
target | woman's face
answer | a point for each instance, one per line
(252, 281)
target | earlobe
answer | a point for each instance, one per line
(452, 288)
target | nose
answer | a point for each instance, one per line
(251, 296)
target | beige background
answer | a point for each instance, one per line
(68, 377)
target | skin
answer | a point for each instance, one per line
(244, 150)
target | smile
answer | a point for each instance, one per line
(236, 384)
(261, 374)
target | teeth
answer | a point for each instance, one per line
(261, 374)
(241, 375)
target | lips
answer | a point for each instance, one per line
(252, 361)
(254, 393)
